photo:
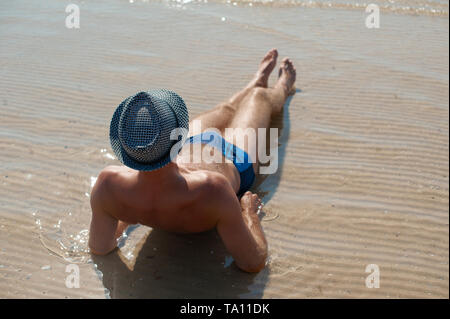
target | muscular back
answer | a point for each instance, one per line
(183, 203)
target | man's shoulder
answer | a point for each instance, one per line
(210, 195)
(209, 181)
(111, 173)
(107, 181)
(213, 188)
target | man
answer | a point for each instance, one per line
(175, 193)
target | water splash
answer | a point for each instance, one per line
(73, 248)
(64, 235)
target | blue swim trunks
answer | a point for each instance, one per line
(239, 157)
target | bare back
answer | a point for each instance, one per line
(179, 204)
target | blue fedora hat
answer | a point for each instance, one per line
(141, 125)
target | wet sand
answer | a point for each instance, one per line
(363, 176)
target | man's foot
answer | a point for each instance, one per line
(265, 68)
(286, 76)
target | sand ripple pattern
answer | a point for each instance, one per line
(363, 176)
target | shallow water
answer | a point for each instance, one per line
(363, 174)
(410, 7)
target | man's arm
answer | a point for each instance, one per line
(241, 231)
(104, 229)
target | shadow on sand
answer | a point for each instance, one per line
(168, 265)
(178, 266)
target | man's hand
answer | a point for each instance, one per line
(251, 203)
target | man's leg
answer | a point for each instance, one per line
(253, 106)
(221, 116)
(258, 106)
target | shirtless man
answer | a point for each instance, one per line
(187, 197)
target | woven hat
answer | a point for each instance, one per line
(141, 126)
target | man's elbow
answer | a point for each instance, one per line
(100, 252)
(99, 248)
(254, 266)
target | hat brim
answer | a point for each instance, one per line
(181, 113)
